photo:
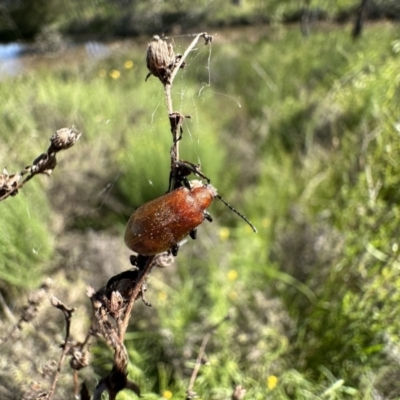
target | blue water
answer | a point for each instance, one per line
(13, 63)
(9, 58)
(10, 51)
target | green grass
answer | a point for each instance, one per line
(26, 240)
(301, 135)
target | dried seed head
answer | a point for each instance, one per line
(160, 58)
(44, 164)
(63, 139)
(8, 183)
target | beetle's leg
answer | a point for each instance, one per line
(134, 260)
(175, 249)
(141, 261)
(192, 168)
(193, 233)
(207, 215)
(185, 182)
(177, 178)
(170, 182)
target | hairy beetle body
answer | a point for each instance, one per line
(161, 224)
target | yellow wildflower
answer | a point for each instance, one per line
(232, 275)
(128, 64)
(224, 233)
(167, 394)
(115, 74)
(272, 381)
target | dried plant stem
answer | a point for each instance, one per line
(199, 361)
(67, 311)
(168, 85)
(76, 383)
(168, 98)
(116, 300)
(206, 37)
(198, 364)
(44, 164)
(57, 374)
(136, 291)
(175, 142)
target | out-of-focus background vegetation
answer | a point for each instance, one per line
(297, 125)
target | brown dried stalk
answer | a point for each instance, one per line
(67, 311)
(112, 310)
(44, 164)
(122, 327)
(163, 63)
(113, 304)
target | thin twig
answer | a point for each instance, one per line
(44, 164)
(136, 291)
(168, 98)
(199, 361)
(67, 311)
(76, 383)
(206, 37)
(197, 365)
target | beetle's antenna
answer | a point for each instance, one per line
(238, 213)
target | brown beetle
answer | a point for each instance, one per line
(162, 223)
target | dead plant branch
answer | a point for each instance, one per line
(66, 346)
(113, 304)
(112, 307)
(207, 39)
(44, 164)
(136, 292)
(176, 123)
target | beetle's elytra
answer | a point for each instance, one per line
(161, 224)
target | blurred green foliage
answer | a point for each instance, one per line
(132, 17)
(25, 240)
(24, 19)
(322, 118)
(29, 19)
(301, 135)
